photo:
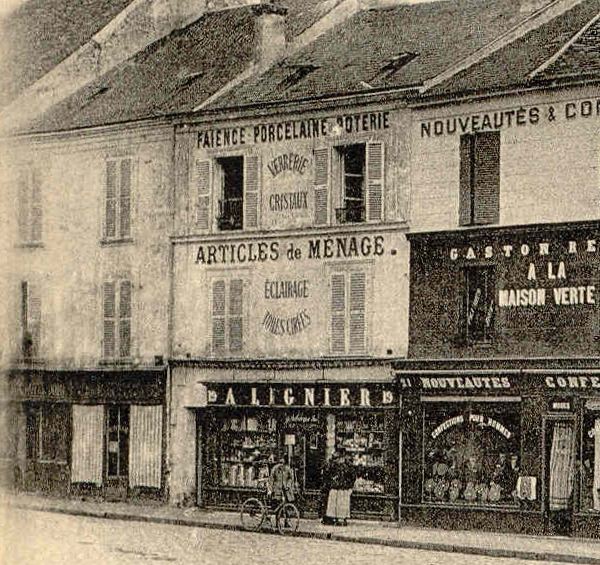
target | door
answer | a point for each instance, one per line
(559, 470)
(117, 451)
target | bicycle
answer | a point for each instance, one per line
(255, 511)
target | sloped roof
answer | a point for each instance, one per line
(382, 48)
(41, 33)
(516, 64)
(168, 77)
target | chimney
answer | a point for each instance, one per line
(270, 33)
(531, 6)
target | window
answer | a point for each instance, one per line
(590, 460)
(348, 312)
(361, 178)
(479, 178)
(227, 316)
(478, 304)
(31, 320)
(30, 206)
(238, 189)
(117, 319)
(47, 426)
(472, 452)
(117, 218)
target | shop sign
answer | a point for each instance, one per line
(37, 388)
(562, 405)
(444, 384)
(478, 419)
(511, 117)
(297, 396)
(293, 130)
(146, 388)
(578, 382)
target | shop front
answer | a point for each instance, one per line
(244, 428)
(98, 433)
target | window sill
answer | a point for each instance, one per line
(29, 245)
(104, 242)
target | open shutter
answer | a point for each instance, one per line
(252, 180)
(109, 308)
(465, 203)
(487, 178)
(145, 446)
(125, 319)
(202, 179)
(321, 186)
(236, 310)
(86, 453)
(338, 313)
(36, 206)
(24, 208)
(125, 199)
(110, 219)
(357, 312)
(218, 315)
(375, 181)
(34, 318)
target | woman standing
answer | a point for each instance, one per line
(342, 483)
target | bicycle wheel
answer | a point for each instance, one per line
(288, 519)
(252, 514)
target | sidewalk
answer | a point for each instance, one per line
(539, 548)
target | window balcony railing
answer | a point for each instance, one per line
(231, 214)
(350, 215)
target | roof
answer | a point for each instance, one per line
(566, 47)
(382, 48)
(40, 34)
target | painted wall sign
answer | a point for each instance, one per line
(291, 130)
(301, 395)
(341, 247)
(511, 117)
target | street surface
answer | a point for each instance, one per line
(43, 538)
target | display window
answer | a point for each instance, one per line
(590, 463)
(471, 452)
(47, 426)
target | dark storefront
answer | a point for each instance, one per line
(95, 433)
(501, 391)
(246, 427)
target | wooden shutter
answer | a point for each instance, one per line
(36, 206)
(375, 181)
(252, 181)
(87, 444)
(338, 313)
(466, 182)
(34, 318)
(321, 186)
(357, 312)
(125, 199)
(125, 319)
(110, 220)
(109, 312)
(487, 178)
(236, 315)
(145, 446)
(218, 315)
(203, 190)
(24, 207)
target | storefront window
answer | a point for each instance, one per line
(590, 463)
(47, 427)
(471, 453)
(362, 436)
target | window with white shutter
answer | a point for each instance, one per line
(117, 311)
(30, 206)
(321, 186)
(252, 182)
(375, 188)
(227, 316)
(348, 312)
(31, 319)
(202, 175)
(479, 197)
(118, 199)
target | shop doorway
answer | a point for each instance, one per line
(559, 474)
(117, 451)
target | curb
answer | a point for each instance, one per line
(329, 536)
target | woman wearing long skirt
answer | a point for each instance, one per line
(338, 503)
